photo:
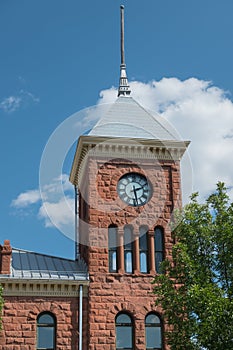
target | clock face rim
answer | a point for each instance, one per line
(132, 195)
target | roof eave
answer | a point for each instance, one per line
(118, 147)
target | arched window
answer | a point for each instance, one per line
(153, 332)
(159, 248)
(46, 331)
(143, 249)
(112, 248)
(124, 332)
(128, 249)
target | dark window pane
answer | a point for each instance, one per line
(159, 247)
(153, 332)
(143, 249)
(45, 337)
(124, 337)
(45, 319)
(143, 262)
(128, 238)
(112, 237)
(129, 262)
(158, 260)
(124, 332)
(158, 239)
(153, 338)
(152, 318)
(46, 332)
(112, 261)
(112, 248)
(143, 242)
(123, 318)
(128, 249)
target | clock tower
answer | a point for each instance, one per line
(126, 171)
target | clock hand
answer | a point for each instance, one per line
(138, 188)
(135, 194)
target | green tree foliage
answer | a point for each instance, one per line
(196, 288)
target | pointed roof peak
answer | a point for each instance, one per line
(124, 88)
(126, 118)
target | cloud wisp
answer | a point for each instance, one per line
(49, 200)
(13, 103)
(26, 199)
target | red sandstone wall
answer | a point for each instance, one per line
(103, 207)
(111, 293)
(5, 257)
(19, 322)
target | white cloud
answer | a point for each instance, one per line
(57, 207)
(13, 103)
(201, 113)
(61, 213)
(10, 104)
(28, 96)
(26, 198)
(52, 190)
(55, 203)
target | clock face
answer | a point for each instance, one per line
(134, 189)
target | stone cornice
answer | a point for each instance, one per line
(112, 148)
(45, 288)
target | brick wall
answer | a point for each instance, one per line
(20, 319)
(98, 195)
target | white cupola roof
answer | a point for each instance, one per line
(126, 118)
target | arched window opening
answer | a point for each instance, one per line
(159, 248)
(153, 332)
(124, 332)
(112, 249)
(128, 249)
(143, 249)
(46, 331)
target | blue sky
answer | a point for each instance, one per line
(58, 57)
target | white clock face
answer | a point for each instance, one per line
(134, 189)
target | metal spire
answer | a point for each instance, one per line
(124, 88)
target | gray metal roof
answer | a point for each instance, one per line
(30, 265)
(127, 118)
